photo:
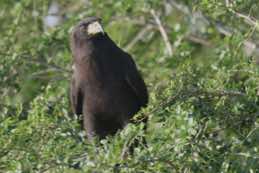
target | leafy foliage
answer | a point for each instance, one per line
(203, 111)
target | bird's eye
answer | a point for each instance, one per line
(83, 28)
(83, 25)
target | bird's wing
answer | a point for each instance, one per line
(76, 98)
(135, 81)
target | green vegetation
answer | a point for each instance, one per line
(203, 83)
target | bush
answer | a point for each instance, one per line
(202, 76)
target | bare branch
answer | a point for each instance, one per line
(199, 40)
(139, 36)
(163, 33)
(184, 9)
(249, 46)
(151, 23)
(249, 20)
(51, 66)
(183, 96)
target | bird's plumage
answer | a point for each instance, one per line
(106, 86)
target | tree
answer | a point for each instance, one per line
(199, 58)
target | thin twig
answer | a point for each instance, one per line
(52, 66)
(247, 155)
(184, 95)
(251, 132)
(163, 33)
(145, 23)
(249, 20)
(139, 36)
(221, 28)
(180, 7)
(199, 40)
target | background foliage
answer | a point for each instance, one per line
(202, 76)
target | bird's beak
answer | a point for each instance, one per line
(94, 28)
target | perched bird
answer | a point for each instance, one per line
(106, 86)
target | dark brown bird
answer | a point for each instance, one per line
(106, 86)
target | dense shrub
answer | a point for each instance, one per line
(203, 110)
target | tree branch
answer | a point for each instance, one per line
(249, 20)
(163, 33)
(139, 36)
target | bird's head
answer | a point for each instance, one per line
(87, 28)
(84, 34)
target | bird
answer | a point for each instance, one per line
(106, 88)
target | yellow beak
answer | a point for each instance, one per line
(94, 28)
